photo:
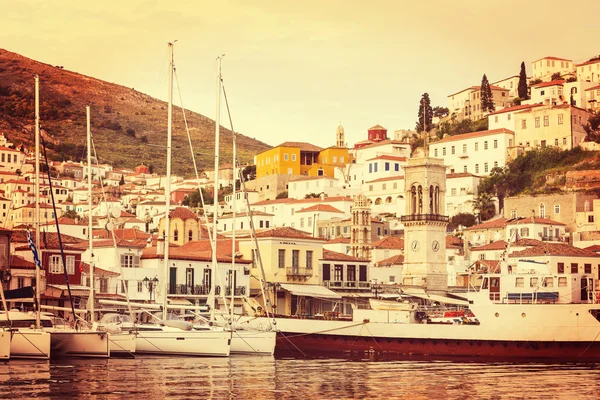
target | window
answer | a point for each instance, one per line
(561, 268)
(140, 286)
(476, 168)
(301, 222)
(295, 258)
(476, 146)
(293, 157)
(464, 148)
(338, 273)
(564, 141)
(533, 281)
(309, 222)
(574, 268)
(396, 167)
(587, 268)
(509, 116)
(495, 164)
(496, 119)
(175, 235)
(370, 188)
(190, 235)
(513, 213)
(537, 122)
(485, 167)
(562, 281)
(557, 209)
(560, 119)
(453, 150)
(556, 142)
(267, 223)
(260, 223)
(341, 159)
(524, 232)
(335, 159)
(435, 153)
(375, 167)
(495, 143)
(485, 145)
(453, 192)
(443, 151)
(542, 210)
(383, 186)
(130, 261)
(548, 282)
(281, 258)
(464, 168)
(546, 120)
(523, 124)
(519, 282)
(387, 166)
(309, 259)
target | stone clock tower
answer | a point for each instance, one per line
(425, 225)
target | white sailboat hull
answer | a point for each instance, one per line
(253, 342)
(80, 344)
(30, 343)
(164, 340)
(4, 345)
(122, 343)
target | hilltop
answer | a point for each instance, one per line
(128, 127)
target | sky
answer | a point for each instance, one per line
(295, 70)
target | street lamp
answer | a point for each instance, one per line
(150, 285)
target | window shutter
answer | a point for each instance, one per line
(136, 261)
(362, 273)
(326, 272)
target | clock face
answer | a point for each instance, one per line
(435, 246)
(414, 245)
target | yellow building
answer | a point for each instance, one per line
(299, 158)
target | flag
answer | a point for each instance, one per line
(36, 258)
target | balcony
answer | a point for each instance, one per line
(200, 290)
(347, 285)
(424, 218)
(298, 273)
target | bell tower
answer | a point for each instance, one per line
(360, 234)
(339, 137)
(425, 225)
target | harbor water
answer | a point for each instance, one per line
(248, 377)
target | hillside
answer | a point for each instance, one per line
(128, 127)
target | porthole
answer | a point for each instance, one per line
(523, 315)
(497, 315)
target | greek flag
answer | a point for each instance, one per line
(36, 258)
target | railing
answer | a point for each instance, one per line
(297, 271)
(185, 289)
(347, 285)
(424, 217)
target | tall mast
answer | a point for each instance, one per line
(216, 190)
(37, 197)
(90, 243)
(233, 203)
(168, 182)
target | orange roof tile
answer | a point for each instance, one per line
(552, 58)
(329, 255)
(389, 242)
(532, 220)
(587, 63)
(555, 82)
(474, 135)
(286, 232)
(497, 245)
(515, 108)
(303, 146)
(183, 213)
(491, 224)
(339, 239)
(387, 157)
(398, 259)
(389, 178)
(554, 249)
(321, 208)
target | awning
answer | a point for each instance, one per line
(179, 302)
(433, 297)
(310, 291)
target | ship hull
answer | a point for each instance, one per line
(323, 345)
(253, 342)
(4, 345)
(30, 344)
(86, 344)
(167, 341)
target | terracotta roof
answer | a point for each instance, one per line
(183, 213)
(329, 255)
(453, 242)
(388, 157)
(309, 200)
(491, 224)
(472, 135)
(492, 266)
(497, 245)
(398, 259)
(551, 83)
(286, 232)
(85, 268)
(20, 262)
(126, 233)
(199, 250)
(103, 243)
(532, 220)
(310, 178)
(593, 88)
(554, 249)
(515, 108)
(587, 63)
(321, 208)
(526, 242)
(303, 146)
(389, 178)
(380, 143)
(594, 248)
(552, 58)
(389, 242)
(339, 239)
(49, 240)
(245, 214)
(461, 175)
(377, 128)
(68, 221)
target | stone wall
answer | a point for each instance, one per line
(583, 180)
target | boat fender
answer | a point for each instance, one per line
(366, 321)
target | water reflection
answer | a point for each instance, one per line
(270, 378)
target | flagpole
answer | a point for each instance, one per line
(37, 198)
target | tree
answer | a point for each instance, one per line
(556, 76)
(426, 111)
(312, 196)
(71, 214)
(282, 195)
(497, 184)
(249, 173)
(462, 219)
(440, 112)
(484, 206)
(487, 101)
(522, 91)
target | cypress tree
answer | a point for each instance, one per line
(425, 103)
(523, 83)
(487, 101)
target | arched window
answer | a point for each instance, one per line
(437, 200)
(389, 200)
(420, 200)
(190, 235)
(542, 211)
(573, 90)
(413, 200)
(431, 196)
(175, 235)
(378, 201)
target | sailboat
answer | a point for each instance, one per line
(171, 336)
(249, 340)
(5, 335)
(29, 339)
(121, 342)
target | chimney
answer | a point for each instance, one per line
(160, 246)
(149, 242)
(323, 196)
